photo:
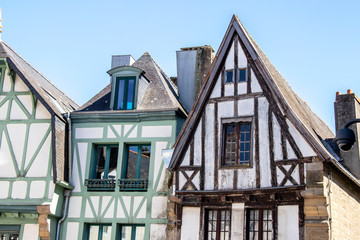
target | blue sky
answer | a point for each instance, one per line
(314, 44)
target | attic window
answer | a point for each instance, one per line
(242, 75)
(229, 76)
(124, 93)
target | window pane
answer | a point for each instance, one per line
(126, 232)
(106, 232)
(229, 76)
(94, 232)
(130, 94)
(100, 162)
(244, 143)
(145, 162)
(230, 144)
(120, 99)
(113, 162)
(242, 75)
(140, 233)
(132, 162)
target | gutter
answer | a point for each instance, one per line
(345, 171)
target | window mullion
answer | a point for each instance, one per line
(261, 233)
(138, 162)
(100, 232)
(218, 224)
(125, 163)
(126, 84)
(116, 101)
(133, 232)
(107, 162)
(237, 144)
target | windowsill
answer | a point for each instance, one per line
(236, 166)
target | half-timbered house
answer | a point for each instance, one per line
(34, 158)
(252, 160)
(119, 177)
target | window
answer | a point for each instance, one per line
(236, 144)
(241, 75)
(131, 232)
(103, 168)
(98, 232)
(124, 93)
(228, 76)
(9, 232)
(259, 224)
(135, 171)
(217, 224)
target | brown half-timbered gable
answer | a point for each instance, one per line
(245, 147)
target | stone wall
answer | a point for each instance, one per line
(344, 207)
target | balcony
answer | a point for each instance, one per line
(133, 184)
(100, 184)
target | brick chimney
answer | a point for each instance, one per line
(347, 107)
(193, 65)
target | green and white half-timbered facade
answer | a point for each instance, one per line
(119, 177)
(33, 150)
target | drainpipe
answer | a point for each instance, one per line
(69, 147)
(66, 191)
(65, 212)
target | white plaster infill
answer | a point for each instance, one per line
(85, 133)
(19, 190)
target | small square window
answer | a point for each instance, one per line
(236, 148)
(229, 76)
(135, 170)
(242, 75)
(124, 93)
(98, 232)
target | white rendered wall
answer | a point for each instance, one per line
(31, 232)
(288, 222)
(190, 223)
(237, 221)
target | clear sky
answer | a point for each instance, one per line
(315, 45)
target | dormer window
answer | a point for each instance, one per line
(128, 87)
(125, 93)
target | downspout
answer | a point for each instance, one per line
(65, 212)
(66, 191)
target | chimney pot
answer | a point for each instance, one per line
(349, 91)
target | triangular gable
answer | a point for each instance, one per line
(54, 100)
(276, 90)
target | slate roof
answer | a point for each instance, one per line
(53, 98)
(161, 94)
(293, 107)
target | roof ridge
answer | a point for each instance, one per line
(167, 77)
(172, 94)
(39, 73)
